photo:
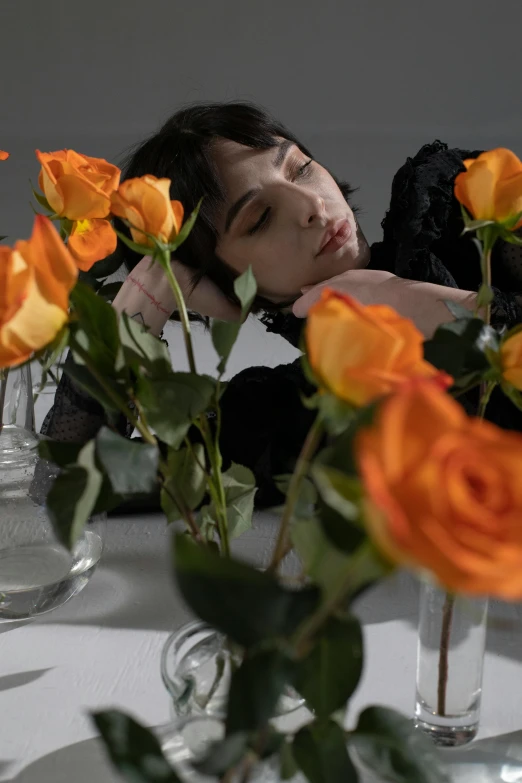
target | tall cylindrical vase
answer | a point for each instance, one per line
(450, 656)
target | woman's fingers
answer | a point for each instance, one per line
(302, 305)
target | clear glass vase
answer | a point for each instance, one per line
(450, 656)
(37, 574)
(196, 666)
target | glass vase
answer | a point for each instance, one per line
(450, 656)
(196, 666)
(37, 574)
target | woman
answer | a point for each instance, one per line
(267, 203)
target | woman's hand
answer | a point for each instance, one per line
(146, 295)
(423, 303)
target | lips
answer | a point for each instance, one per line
(335, 237)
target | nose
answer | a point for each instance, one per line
(307, 207)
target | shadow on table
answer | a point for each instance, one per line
(10, 681)
(83, 762)
(119, 596)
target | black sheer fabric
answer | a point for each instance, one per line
(264, 422)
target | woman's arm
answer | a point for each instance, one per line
(146, 296)
(422, 302)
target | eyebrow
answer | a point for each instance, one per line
(236, 208)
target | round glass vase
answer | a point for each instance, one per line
(37, 573)
(196, 666)
(450, 657)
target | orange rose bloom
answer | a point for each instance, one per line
(3, 155)
(77, 187)
(90, 241)
(443, 491)
(145, 203)
(360, 353)
(511, 359)
(36, 277)
(491, 186)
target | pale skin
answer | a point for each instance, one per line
(278, 231)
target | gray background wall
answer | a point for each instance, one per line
(363, 83)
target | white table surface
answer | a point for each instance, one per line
(102, 650)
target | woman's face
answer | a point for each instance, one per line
(285, 216)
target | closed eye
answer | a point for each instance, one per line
(295, 173)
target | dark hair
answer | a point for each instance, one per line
(181, 151)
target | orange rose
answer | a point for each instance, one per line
(90, 241)
(360, 353)
(511, 358)
(491, 186)
(36, 277)
(3, 155)
(77, 187)
(443, 491)
(145, 203)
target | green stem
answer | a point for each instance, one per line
(486, 388)
(303, 462)
(182, 309)
(212, 446)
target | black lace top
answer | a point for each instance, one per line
(264, 422)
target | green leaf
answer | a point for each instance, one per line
(240, 488)
(475, 225)
(223, 755)
(42, 200)
(458, 310)
(307, 494)
(173, 403)
(336, 414)
(245, 288)
(134, 750)
(244, 603)
(224, 335)
(255, 689)
(72, 497)
(60, 453)
(326, 565)
(84, 379)
(132, 467)
(341, 492)
(142, 347)
(388, 744)
(98, 332)
(186, 228)
(186, 480)
(459, 347)
(321, 754)
(3, 236)
(142, 250)
(331, 671)
(512, 394)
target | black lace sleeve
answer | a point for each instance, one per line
(75, 416)
(422, 234)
